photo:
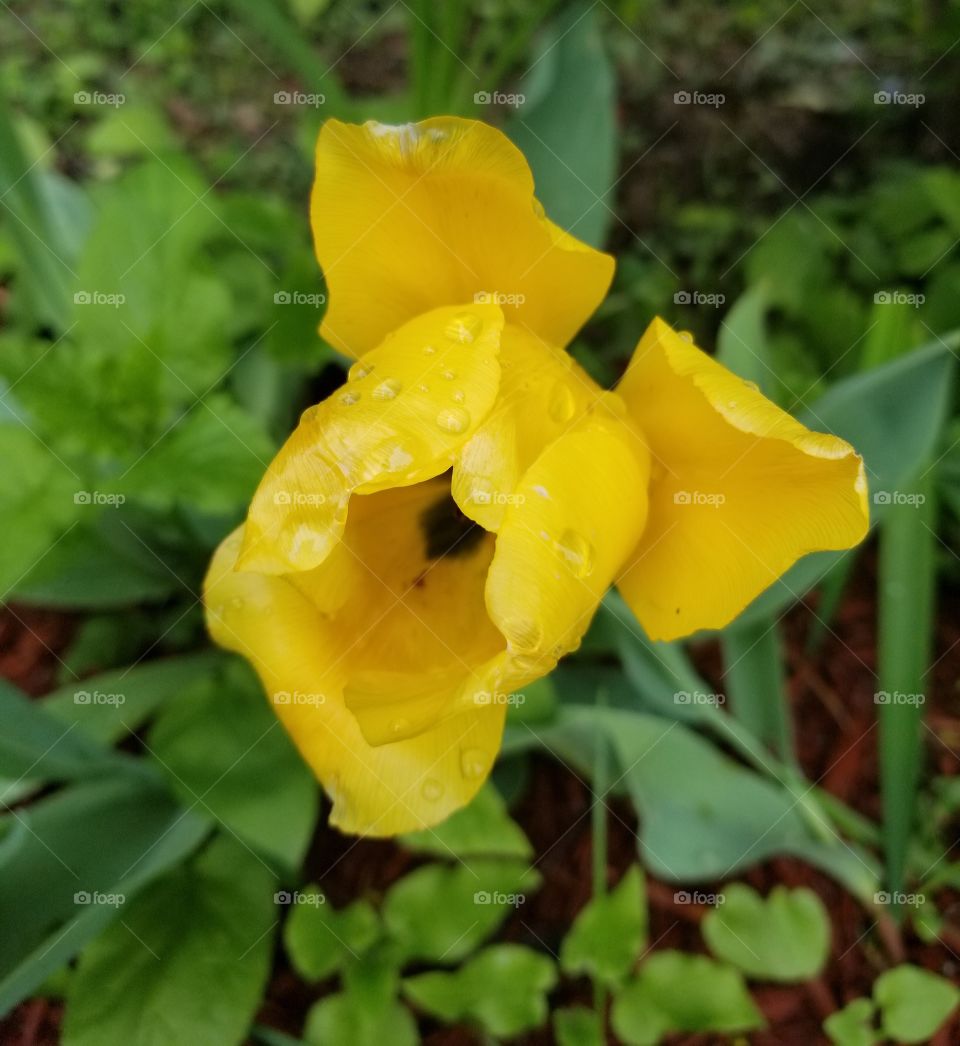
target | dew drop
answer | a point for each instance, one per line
(431, 789)
(428, 350)
(562, 404)
(473, 762)
(423, 388)
(453, 419)
(576, 552)
(449, 374)
(309, 415)
(349, 398)
(523, 633)
(358, 371)
(463, 328)
(237, 603)
(399, 726)
(458, 396)
(387, 389)
(686, 336)
(752, 385)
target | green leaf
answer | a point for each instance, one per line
(852, 1026)
(442, 914)
(742, 339)
(337, 1020)
(913, 1002)
(100, 838)
(483, 828)
(783, 937)
(674, 992)
(190, 957)
(220, 743)
(503, 989)
(578, 1026)
(321, 939)
(608, 935)
(566, 127)
(211, 460)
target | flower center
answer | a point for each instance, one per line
(447, 531)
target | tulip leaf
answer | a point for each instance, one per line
(191, 956)
(105, 838)
(675, 992)
(321, 939)
(852, 1026)
(442, 913)
(566, 125)
(503, 989)
(608, 935)
(578, 1026)
(783, 937)
(913, 1002)
(227, 754)
(483, 828)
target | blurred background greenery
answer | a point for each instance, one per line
(781, 180)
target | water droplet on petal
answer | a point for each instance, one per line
(562, 404)
(399, 726)
(237, 603)
(423, 388)
(359, 370)
(449, 374)
(464, 328)
(428, 350)
(431, 789)
(538, 208)
(576, 552)
(310, 414)
(474, 762)
(349, 398)
(752, 385)
(453, 419)
(458, 396)
(686, 336)
(387, 389)
(523, 633)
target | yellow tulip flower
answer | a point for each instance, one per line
(439, 532)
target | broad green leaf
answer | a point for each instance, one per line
(578, 1026)
(442, 913)
(321, 939)
(913, 1002)
(503, 989)
(85, 846)
(190, 957)
(566, 126)
(608, 935)
(483, 828)
(224, 750)
(674, 992)
(853, 1025)
(742, 339)
(782, 937)
(337, 1020)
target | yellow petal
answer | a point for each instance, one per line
(579, 510)
(409, 218)
(542, 393)
(382, 790)
(740, 490)
(409, 406)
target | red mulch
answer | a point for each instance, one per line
(834, 713)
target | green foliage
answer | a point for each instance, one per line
(609, 933)
(783, 937)
(320, 940)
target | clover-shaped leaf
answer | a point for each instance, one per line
(783, 937)
(853, 1025)
(609, 933)
(913, 1002)
(320, 939)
